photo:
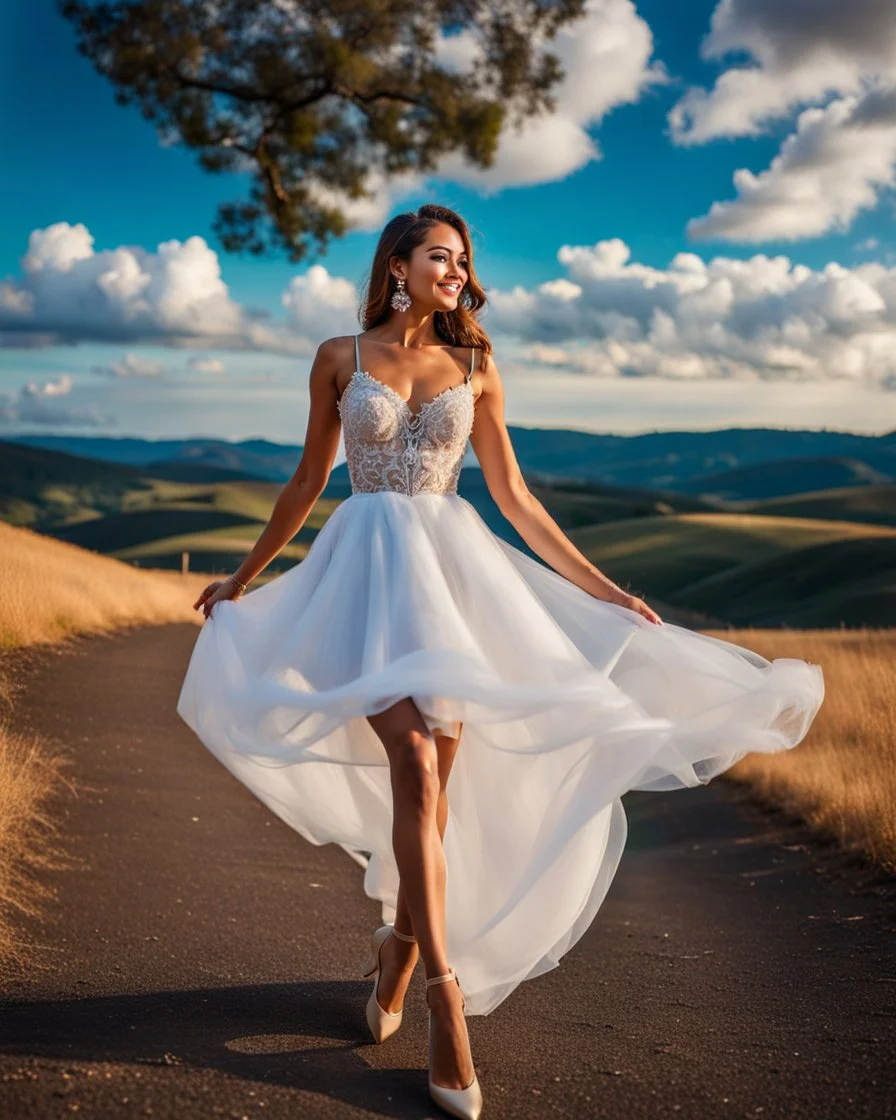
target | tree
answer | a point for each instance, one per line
(307, 98)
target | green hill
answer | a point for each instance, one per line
(52, 487)
(785, 477)
(873, 504)
(765, 566)
(662, 556)
(850, 582)
(121, 511)
(577, 504)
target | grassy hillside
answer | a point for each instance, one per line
(753, 568)
(850, 582)
(121, 511)
(54, 590)
(41, 487)
(874, 504)
(216, 523)
(678, 558)
(574, 505)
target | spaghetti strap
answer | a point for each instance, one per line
(357, 355)
(472, 362)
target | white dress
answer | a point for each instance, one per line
(566, 701)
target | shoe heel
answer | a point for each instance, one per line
(464, 1103)
(371, 962)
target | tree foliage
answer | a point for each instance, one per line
(307, 98)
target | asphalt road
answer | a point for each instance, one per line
(200, 958)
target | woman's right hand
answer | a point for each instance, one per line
(640, 607)
(214, 593)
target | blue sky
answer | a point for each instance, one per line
(627, 345)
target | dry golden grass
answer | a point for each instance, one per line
(842, 778)
(31, 778)
(52, 590)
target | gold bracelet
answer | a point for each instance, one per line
(238, 582)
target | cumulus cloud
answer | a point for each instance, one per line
(69, 293)
(832, 167)
(761, 318)
(46, 405)
(799, 53)
(319, 304)
(839, 59)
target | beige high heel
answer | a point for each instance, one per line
(383, 1024)
(467, 1102)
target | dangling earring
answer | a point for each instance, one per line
(466, 300)
(401, 301)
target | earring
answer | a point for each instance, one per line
(466, 300)
(401, 301)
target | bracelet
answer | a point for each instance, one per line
(239, 583)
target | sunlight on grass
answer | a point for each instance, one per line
(842, 778)
(52, 590)
(31, 778)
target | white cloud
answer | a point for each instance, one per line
(832, 167)
(320, 305)
(800, 52)
(45, 405)
(72, 293)
(131, 366)
(764, 318)
(207, 365)
(373, 212)
(68, 293)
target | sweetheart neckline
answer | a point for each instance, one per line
(395, 393)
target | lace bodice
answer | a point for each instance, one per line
(388, 446)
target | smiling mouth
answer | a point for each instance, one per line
(452, 289)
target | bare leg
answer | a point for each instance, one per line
(417, 844)
(399, 958)
(447, 750)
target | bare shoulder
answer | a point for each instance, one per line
(335, 360)
(481, 359)
(487, 368)
(335, 351)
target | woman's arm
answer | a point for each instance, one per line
(491, 442)
(299, 494)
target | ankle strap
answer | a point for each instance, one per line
(402, 936)
(440, 979)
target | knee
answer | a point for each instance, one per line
(416, 771)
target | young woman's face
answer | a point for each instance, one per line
(437, 270)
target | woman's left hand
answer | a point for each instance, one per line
(638, 605)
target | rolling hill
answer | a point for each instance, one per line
(873, 504)
(850, 582)
(682, 558)
(765, 566)
(652, 460)
(784, 478)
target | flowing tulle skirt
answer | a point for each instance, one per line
(566, 702)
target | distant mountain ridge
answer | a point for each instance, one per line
(687, 462)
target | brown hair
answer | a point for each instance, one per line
(399, 238)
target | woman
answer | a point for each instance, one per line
(340, 692)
